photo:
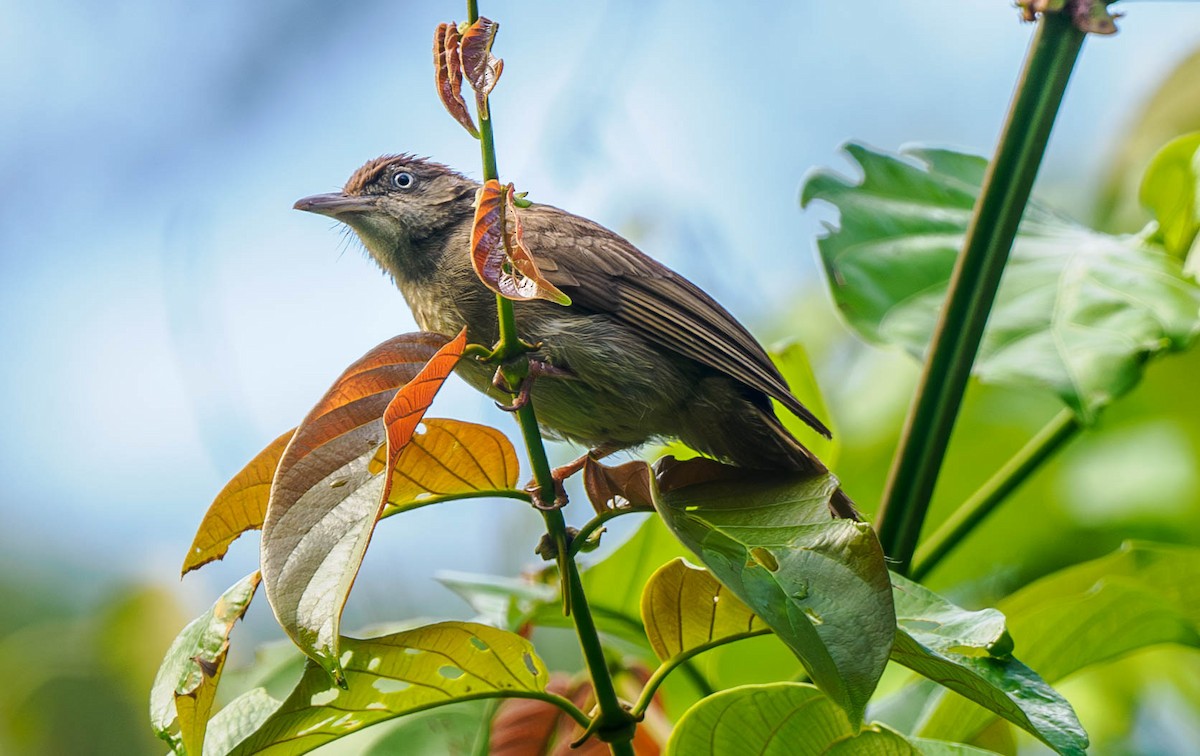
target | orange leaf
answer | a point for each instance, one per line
(448, 64)
(452, 457)
(480, 66)
(239, 507)
(325, 497)
(498, 251)
(404, 412)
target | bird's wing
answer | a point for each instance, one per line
(602, 272)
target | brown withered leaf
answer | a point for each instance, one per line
(482, 69)
(498, 251)
(451, 457)
(619, 486)
(673, 474)
(326, 495)
(447, 63)
(239, 507)
(404, 412)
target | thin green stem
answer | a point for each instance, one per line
(612, 724)
(1064, 427)
(596, 522)
(1006, 189)
(487, 493)
(664, 669)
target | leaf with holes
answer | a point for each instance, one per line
(498, 252)
(451, 459)
(779, 719)
(239, 507)
(1078, 312)
(970, 653)
(821, 584)
(327, 495)
(480, 66)
(182, 695)
(447, 62)
(686, 610)
(1142, 595)
(397, 674)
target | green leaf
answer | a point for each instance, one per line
(1142, 595)
(399, 674)
(969, 653)
(792, 360)
(183, 691)
(500, 601)
(821, 584)
(1171, 190)
(1078, 312)
(782, 719)
(685, 608)
(240, 719)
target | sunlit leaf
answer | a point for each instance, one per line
(821, 584)
(238, 720)
(1171, 190)
(182, 695)
(685, 608)
(408, 406)
(1143, 595)
(327, 495)
(969, 653)
(501, 601)
(616, 487)
(498, 252)
(451, 458)
(780, 719)
(396, 674)
(448, 65)
(1078, 312)
(482, 69)
(239, 507)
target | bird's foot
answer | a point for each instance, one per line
(520, 392)
(538, 498)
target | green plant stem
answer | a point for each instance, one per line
(664, 669)
(972, 290)
(613, 723)
(485, 493)
(596, 522)
(983, 502)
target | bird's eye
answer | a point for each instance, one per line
(403, 180)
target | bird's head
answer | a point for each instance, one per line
(402, 207)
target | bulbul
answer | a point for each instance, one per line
(640, 354)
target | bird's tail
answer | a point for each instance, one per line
(793, 455)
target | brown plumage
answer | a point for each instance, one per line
(643, 353)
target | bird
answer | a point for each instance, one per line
(641, 354)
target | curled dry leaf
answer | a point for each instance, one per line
(621, 486)
(498, 251)
(239, 507)
(447, 62)
(327, 494)
(481, 67)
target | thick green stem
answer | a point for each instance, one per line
(973, 285)
(983, 502)
(613, 723)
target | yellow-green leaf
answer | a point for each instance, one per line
(685, 608)
(239, 507)
(398, 674)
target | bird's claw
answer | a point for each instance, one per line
(537, 368)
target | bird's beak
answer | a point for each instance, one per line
(335, 205)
